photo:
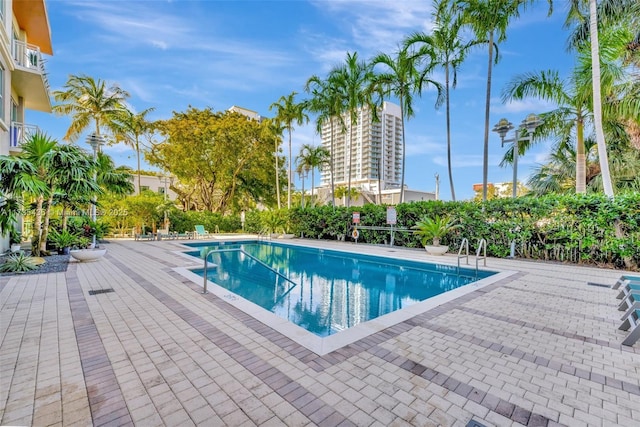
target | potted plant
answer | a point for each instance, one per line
(433, 229)
(63, 240)
(15, 238)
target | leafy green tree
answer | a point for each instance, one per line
(289, 112)
(88, 100)
(445, 48)
(130, 127)
(222, 159)
(401, 79)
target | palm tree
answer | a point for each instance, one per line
(87, 100)
(489, 20)
(69, 172)
(310, 158)
(112, 179)
(401, 80)
(326, 100)
(444, 48)
(38, 150)
(353, 83)
(17, 176)
(130, 127)
(289, 112)
(573, 96)
(275, 130)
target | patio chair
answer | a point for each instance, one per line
(628, 300)
(631, 323)
(623, 279)
(627, 288)
(201, 232)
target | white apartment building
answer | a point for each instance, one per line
(25, 35)
(375, 150)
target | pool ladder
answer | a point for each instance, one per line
(482, 247)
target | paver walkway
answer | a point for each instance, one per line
(540, 348)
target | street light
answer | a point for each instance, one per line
(95, 140)
(168, 181)
(530, 123)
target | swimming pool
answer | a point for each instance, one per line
(325, 291)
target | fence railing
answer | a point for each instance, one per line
(28, 56)
(21, 132)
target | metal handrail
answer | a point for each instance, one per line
(463, 245)
(204, 273)
(482, 244)
(267, 266)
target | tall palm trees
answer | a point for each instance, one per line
(400, 79)
(289, 112)
(88, 100)
(353, 82)
(130, 127)
(489, 20)
(311, 158)
(444, 48)
(327, 101)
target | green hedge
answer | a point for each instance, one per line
(588, 229)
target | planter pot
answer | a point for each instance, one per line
(15, 247)
(286, 236)
(64, 251)
(86, 255)
(436, 250)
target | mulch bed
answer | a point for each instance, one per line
(53, 264)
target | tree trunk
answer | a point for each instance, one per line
(138, 154)
(277, 176)
(45, 226)
(348, 195)
(597, 99)
(581, 159)
(290, 174)
(485, 159)
(331, 158)
(446, 89)
(404, 154)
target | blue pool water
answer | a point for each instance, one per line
(325, 291)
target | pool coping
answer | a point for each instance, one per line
(326, 345)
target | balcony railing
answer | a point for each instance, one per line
(28, 56)
(20, 132)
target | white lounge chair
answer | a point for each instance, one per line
(623, 279)
(628, 286)
(628, 300)
(631, 323)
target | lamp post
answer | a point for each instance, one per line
(530, 123)
(95, 140)
(167, 180)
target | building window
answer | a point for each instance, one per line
(2, 8)
(144, 188)
(160, 190)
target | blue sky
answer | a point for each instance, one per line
(172, 54)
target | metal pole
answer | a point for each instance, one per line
(204, 274)
(515, 165)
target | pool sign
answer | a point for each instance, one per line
(356, 217)
(392, 216)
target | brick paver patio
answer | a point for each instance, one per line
(539, 348)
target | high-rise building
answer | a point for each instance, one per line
(24, 35)
(373, 148)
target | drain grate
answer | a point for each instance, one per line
(600, 285)
(100, 291)
(474, 423)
